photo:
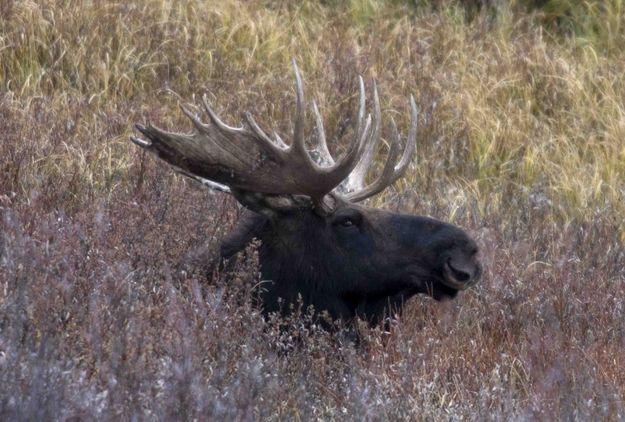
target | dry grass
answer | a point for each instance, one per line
(105, 307)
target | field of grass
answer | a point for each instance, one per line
(106, 308)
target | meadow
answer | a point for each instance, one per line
(110, 309)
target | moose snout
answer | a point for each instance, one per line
(461, 268)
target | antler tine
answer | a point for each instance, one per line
(263, 140)
(342, 168)
(385, 178)
(216, 120)
(375, 131)
(356, 179)
(322, 146)
(140, 142)
(201, 127)
(298, 130)
(361, 107)
(279, 141)
(411, 143)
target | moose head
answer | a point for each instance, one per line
(318, 244)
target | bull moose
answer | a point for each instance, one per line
(317, 243)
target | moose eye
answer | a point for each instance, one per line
(347, 220)
(346, 223)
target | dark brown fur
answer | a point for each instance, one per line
(358, 261)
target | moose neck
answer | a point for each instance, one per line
(294, 259)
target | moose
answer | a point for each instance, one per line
(318, 245)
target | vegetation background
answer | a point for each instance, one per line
(106, 308)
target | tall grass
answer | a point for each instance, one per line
(106, 308)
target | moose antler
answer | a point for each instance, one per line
(354, 186)
(240, 160)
